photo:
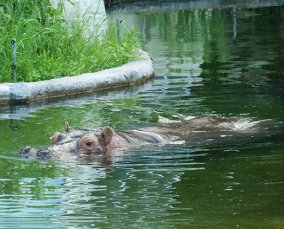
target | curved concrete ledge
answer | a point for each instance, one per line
(132, 73)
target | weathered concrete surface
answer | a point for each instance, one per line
(135, 72)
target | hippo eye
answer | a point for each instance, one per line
(88, 143)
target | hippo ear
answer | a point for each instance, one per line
(67, 127)
(106, 136)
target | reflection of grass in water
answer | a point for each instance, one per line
(48, 46)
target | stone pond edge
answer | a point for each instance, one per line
(133, 73)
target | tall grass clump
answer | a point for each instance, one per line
(48, 46)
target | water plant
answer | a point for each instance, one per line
(49, 46)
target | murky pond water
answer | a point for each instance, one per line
(225, 62)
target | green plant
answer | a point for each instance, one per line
(48, 46)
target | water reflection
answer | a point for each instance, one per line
(124, 194)
(138, 191)
(208, 61)
(21, 112)
(165, 185)
(193, 5)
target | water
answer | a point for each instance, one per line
(226, 62)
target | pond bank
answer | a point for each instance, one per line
(132, 73)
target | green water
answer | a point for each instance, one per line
(225, 62)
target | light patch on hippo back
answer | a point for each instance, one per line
(189, 118)
(244, 124)
(157, 138)
(181, 142)
(168, 121)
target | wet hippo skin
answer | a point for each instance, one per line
(88, 141)
(94, 141)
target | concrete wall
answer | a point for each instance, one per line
(133, 73)
(93, 11)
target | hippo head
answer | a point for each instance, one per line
(81, 142)
(88, 143)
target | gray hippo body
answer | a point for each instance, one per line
(103, 141)
(92, 141)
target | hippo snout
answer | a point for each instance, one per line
(42, 154)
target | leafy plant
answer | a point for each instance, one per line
(50, 46)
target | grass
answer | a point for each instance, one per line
(49, 47)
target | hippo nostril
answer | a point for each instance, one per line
(43, 154)
(25, 151)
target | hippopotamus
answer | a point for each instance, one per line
(101, 141)
(92, 141)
